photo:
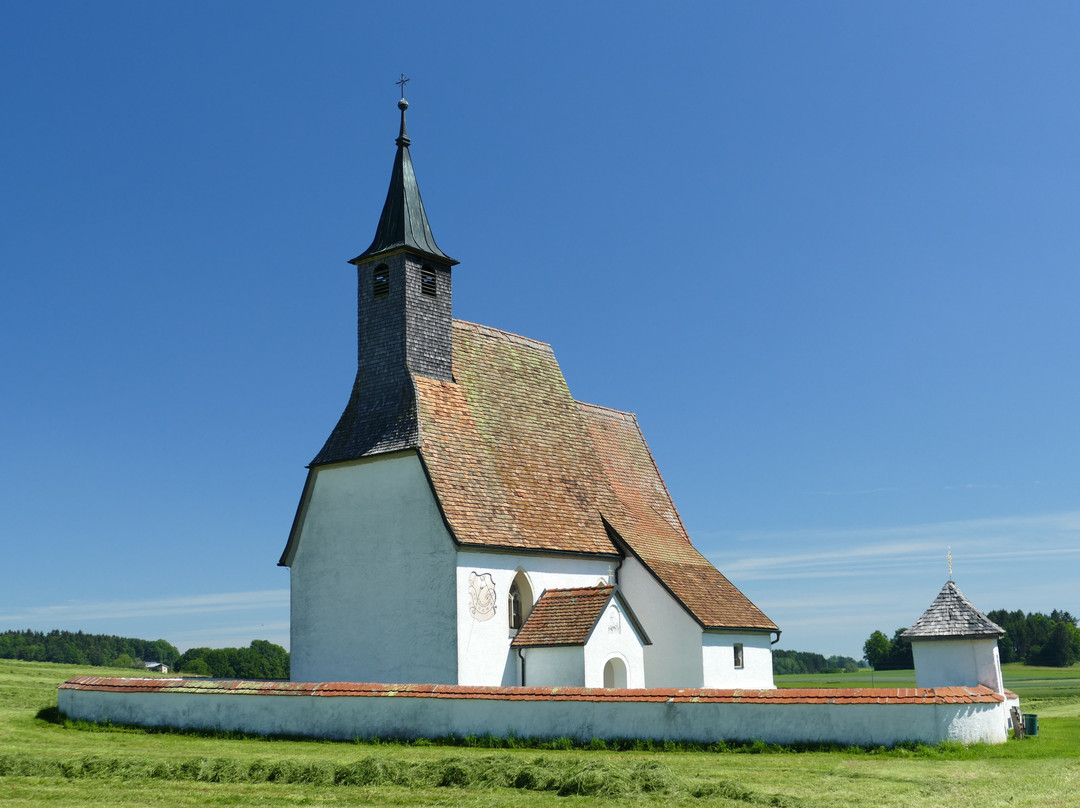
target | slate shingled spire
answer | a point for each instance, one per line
(952, 617)
(404, 323)
(404, 222)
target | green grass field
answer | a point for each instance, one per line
(47, 763)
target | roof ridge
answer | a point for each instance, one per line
(508, 336)
(579, 588)
(610, 412)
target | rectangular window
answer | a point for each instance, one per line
(380, 281)
(738, 656)
(427, 282)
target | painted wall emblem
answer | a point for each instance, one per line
(481, 596)
(614, 621)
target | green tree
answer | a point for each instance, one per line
(877, 649)
(1062, 647)
(123, 661)
(196, 667)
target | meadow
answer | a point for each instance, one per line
(47, 761)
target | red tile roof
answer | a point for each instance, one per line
(650, 525)
(506, 451)
(880, 695)
(564, 616)
(517, 463)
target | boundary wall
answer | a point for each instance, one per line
(345, 711)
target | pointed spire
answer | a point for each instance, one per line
(403, 223)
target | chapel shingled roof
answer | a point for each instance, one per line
(564, 616)
(517, 463)
(952, 617)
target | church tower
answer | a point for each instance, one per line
(404, 322)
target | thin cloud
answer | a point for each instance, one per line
(903, 549)
(859, 492)
(155, 607)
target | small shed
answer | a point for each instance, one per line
(955, 644)
(582, 637)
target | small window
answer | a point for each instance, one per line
(428, 284)
(738, 656)
(514, 607)
(380, 282)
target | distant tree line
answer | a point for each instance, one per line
(807, 662)
(77, 648)
(261, 660)
(1034, 639)
(1038, 639)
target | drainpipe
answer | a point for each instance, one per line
(615, 570)
(521, 656)
(774, 642)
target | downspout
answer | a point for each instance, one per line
(774, 642)
(521, 656)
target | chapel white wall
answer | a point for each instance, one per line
(718, 661)
(614, 637)
(484, 656)
(675, 657)
(561, 666)
(372, 577)
(951, 663)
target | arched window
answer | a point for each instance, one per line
(615, 673)
(519, 601)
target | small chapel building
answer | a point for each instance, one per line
(953, 643)
(468, 522)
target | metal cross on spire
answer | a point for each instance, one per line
(950, 562)
(401, 83)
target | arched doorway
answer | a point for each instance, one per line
(615, 673)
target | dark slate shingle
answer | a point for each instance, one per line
(952, 616)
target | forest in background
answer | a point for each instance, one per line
(1034, 638)
(785, 662)
(260, 660)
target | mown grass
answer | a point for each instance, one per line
(43, 762)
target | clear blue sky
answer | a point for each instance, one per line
(827, 253)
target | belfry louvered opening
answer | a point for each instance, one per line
(380, 281)
(428, 283)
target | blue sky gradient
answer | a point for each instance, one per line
(826, 252)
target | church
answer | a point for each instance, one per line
(468, 522)
(477, 553)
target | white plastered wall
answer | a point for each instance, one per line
(372, 577)
(718, 661)
(561, 666)
(614, 636)
(952, 663)
(674, 658)
(401, 717)
(484, 656)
